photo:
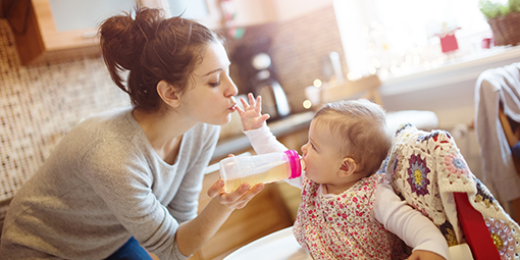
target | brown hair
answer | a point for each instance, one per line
(152, 48)
(361, 126)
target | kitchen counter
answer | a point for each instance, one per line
(279, 128)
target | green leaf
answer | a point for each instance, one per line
(514, 5)
(491, 9)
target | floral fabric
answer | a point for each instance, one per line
(426, 168)
(343, 226)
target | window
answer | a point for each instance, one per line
(398, 37)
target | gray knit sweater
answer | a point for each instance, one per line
(103, 184)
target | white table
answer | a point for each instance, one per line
(280, 245)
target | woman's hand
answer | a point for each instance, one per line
(236, 199)
(425, 255)
(194, 233)
(251, 115)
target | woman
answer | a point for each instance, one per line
(132, 176)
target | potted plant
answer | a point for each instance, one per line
(504, 20)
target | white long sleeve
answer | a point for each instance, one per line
(416, 230)
(263, 141)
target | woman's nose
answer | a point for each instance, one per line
(231, 89)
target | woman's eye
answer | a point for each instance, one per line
(216, 84)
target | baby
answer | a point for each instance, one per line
(347, 210)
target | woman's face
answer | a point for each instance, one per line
(209, 95)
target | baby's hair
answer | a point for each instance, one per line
(152, 48)
(361, 127)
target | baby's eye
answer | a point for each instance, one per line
(313, 147)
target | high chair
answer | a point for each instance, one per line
(368, 88)
(427, 171)
(497, 120)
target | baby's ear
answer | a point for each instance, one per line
(348, 167)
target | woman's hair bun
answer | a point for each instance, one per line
(152, 49)
(123, 37)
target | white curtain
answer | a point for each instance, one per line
(398, 37)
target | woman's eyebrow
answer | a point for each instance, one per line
(213, 71)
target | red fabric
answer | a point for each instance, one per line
(475, 230)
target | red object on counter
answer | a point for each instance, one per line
(449, 41)
(486, 43)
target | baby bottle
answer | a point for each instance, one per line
(263, 168)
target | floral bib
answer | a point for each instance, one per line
(343, 226)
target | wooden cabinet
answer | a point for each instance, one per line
(39, 39)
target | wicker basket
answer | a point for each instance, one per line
(506, 29)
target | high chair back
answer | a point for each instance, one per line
(497, 121)
(427, 170)
(368, 88)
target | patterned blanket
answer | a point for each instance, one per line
(426, 169)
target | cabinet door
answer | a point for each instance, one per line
(78, 17)
(55, 29)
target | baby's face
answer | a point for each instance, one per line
(321, 154)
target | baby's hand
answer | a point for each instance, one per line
(251, 116)
(425, 255)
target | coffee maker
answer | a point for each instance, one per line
(274, 100)
(258, 77)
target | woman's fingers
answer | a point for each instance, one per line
(216, 188)
(233, 197)
(245, 198)
(239, 198)
(253, 192)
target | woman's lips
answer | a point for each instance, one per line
(233, 107)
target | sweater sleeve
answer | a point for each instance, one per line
(120, 175)
(184, 205)
(416, 230)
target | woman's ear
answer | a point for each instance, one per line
(168, 93)
(348, 167)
